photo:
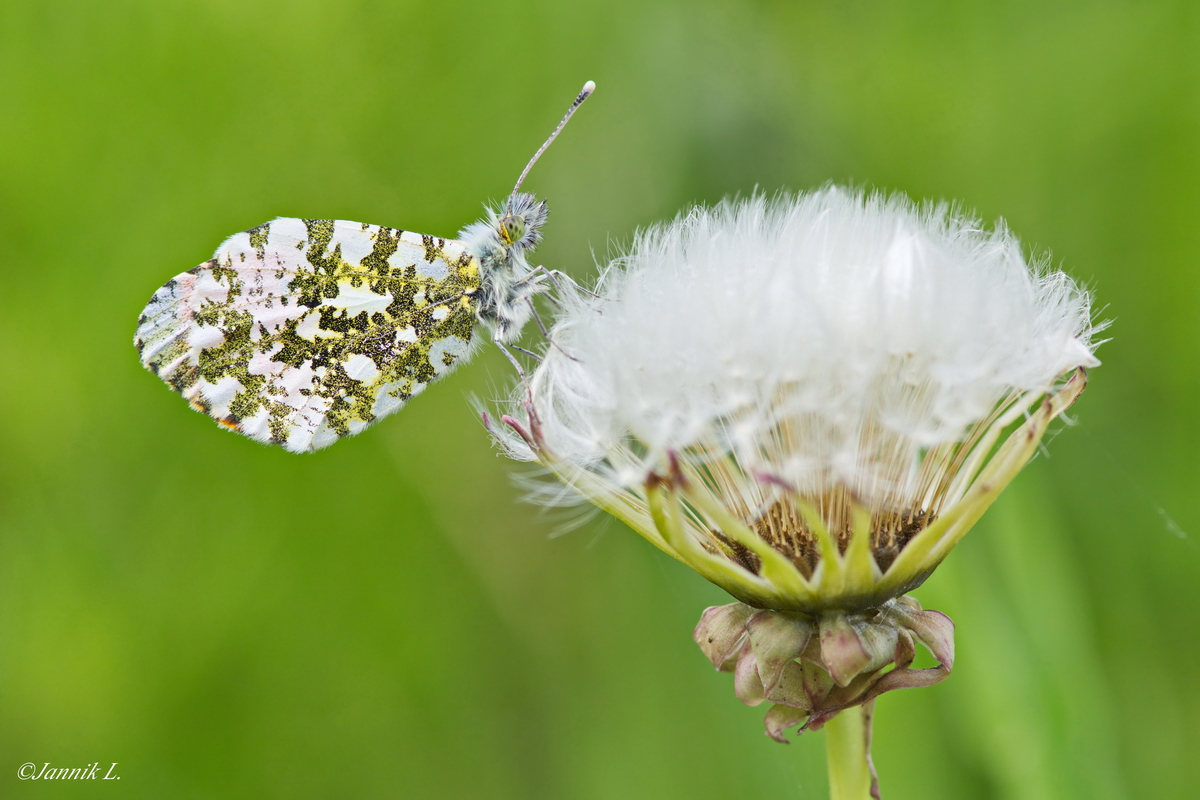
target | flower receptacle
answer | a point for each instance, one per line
(812, 667)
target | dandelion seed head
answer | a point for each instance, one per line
(870, 327)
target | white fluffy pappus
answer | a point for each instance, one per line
(843, 349)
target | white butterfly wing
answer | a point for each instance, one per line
(299, 332)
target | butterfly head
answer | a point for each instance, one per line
(507, 282)
(501, 239)
(520, 223)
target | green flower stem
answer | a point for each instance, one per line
(846, 756)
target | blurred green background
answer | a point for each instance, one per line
(385, 618)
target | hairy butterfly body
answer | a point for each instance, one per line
(299, 332)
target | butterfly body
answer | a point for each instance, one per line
(500, 243)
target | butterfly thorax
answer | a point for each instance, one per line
(507, 282)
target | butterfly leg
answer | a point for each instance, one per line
(545, 333)
(513, 360)
(534, 277)
(554, 276)
(529, 353)
(544, 273)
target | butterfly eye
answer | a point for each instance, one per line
(512, 229)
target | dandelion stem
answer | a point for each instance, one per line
(846, 756)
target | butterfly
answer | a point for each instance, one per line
(301, 331)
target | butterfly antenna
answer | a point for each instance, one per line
(584, 94)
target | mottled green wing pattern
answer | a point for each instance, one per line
(299, 332)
